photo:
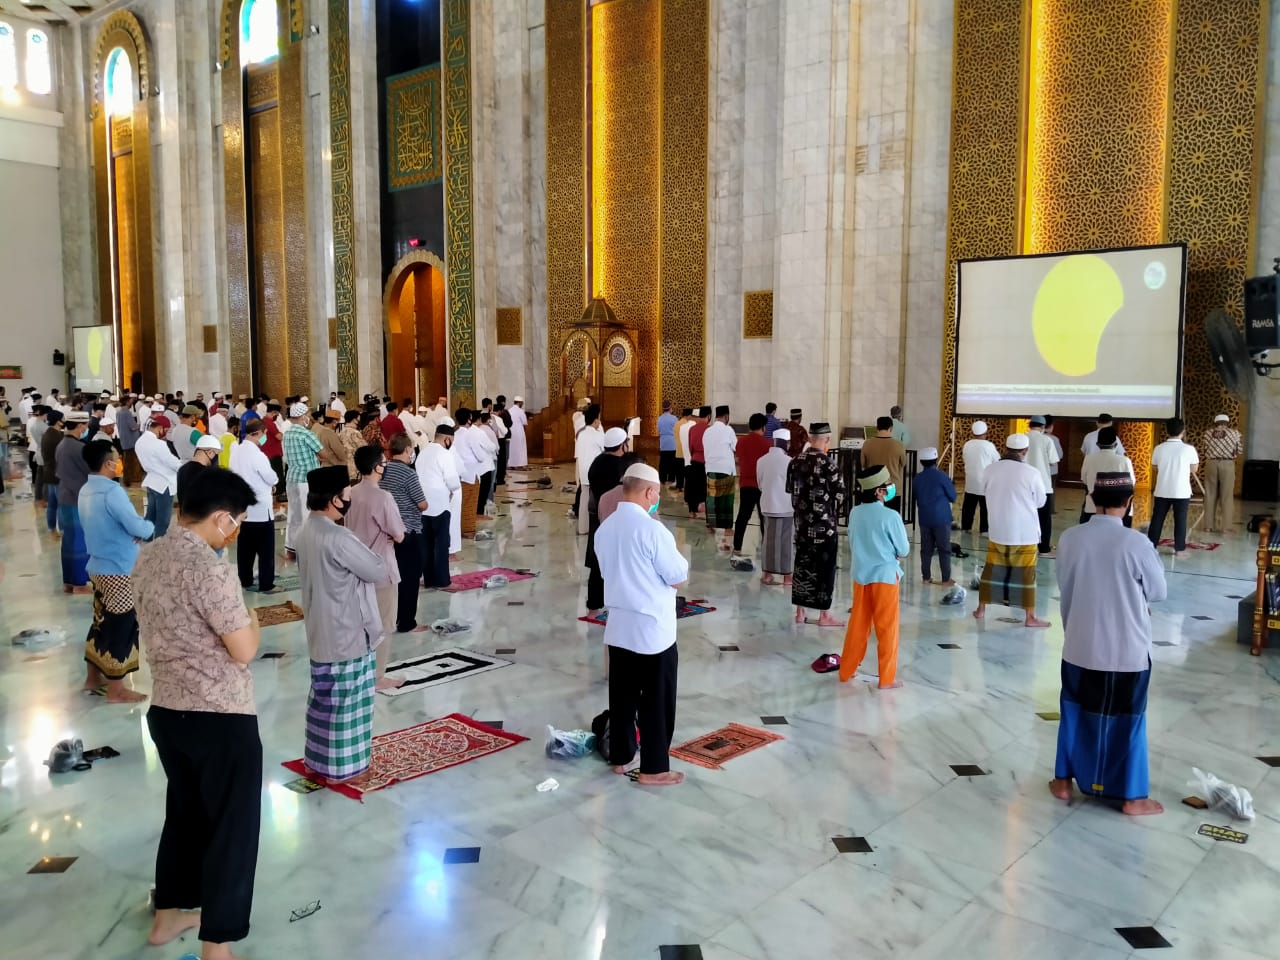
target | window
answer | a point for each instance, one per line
(259, 31)
(119, 84)
(39, 63)
(8, 59)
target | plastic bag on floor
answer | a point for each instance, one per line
(39, 638)
(484, 535)
(496, 581)
(450, 625)
(569, 744)
(1236, 801)
(568, 488)
(976, 582)
(741, 563)
(953, 596)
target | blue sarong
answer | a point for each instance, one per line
(75, 555)
(1102, 733)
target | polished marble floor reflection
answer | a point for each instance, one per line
(739, 862)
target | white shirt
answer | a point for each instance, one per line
(684, 440)
(718, 446)
(261, 410)
(1090, 444)
(438, 473)
(337, 404)
(251, 464)
(469, 460)
(588, 446)
(1015, 491)
(1043, 455)
(978, 455)
(1057, 449)
(485, 445)
(1102, 461)
(499, 427)
(159, 463)
(24, 408)
(217, 424)
(1173, 461)
(641, 567)
(579, 421)
(771, 475)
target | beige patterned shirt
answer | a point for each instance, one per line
(1224, 444)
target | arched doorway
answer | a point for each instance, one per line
(417, 356)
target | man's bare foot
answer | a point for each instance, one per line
(171, 924)
(890, 686)
(217, 951)
(948, 583)
(624, 768)
(1036, 622)
(668, 779)
(93, 679)
(357, 780)
(117, 692)
(1181, 555)
(1141, 808)
(799, 614)
(594, 614)
(455, 557)
(1060, 787)
(925, 580)
(768, 580)
(420, 628)
(387, 683)
(980, 612)
(827, 620)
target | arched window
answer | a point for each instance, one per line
(259, 31)
(119, 84)
(39, 63)
(8, 59)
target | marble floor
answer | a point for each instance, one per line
(736, 864)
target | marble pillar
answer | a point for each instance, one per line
(535, 178)
(510, 55)
(1263, 442)
(485, 191)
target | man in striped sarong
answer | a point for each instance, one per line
(1015, 493)
(339, 577)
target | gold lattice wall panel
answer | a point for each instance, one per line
(413, 141)
(757, 314)
(985, 188)
(510, 327)
(1212, 204)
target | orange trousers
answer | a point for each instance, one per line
(873, 604)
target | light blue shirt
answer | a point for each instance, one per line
(877, 538)
(111, 525)
(667, 432)
(641, 566)
(901, 433)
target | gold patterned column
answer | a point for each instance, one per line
(344, 293)
(458, 210)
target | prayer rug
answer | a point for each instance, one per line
(418, 673)
(475, 581)
(691, 609)
(418, 750)
(278, 613)
(716, 748)
(1168, 542)
(288, 583)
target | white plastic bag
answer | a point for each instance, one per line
(569, 744)
(495, 581)
(450, 626)
(40, 638)
(1236, 801)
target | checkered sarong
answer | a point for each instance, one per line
(340, 717)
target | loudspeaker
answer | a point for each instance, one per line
(1261, 315)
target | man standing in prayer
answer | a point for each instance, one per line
(1108, 577)
(352, 440)
(1103, 460)
(333, 453)
(751, 449)
(667, 444)
(36, 425)
(934, 494)
(588, 445)
(979, 453)
(112, 532)
(778, 540)
(605, 474)
(128, 434)
(1042, 455)
(900, 431)
(484, 440)
(437, 471)
(1175, 462)
(50, 439)
(878, 541)
(503, 422)
(719, 445)
(217, 420)
(160, 472)
(301, 453)
(274, 445)
(1222, 447)
(375, 520)
(799, 436)
(883, 450)
(400, 480)
(815, 485)
(683, 426)
(73, 472)
(641, 567)
(771, 422)
(206, 454)
(695, 480)
(257, 539)
(391, 424)
(518, 458)
(339, 596)
(469, 464)
(1090, 443)
(1057, 450)
(1015, 494)
(184, 436)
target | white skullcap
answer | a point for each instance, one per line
(929, 453)
(615, 437)
(1222, 418)
(157, 408)
(207, 442)
(642, 471)
(782, 434)
(1017, 441)
(304, 399)
(446, 422)
(107, 421)
(979, 428)
(299, 409)
(517, 399)
(422, 409)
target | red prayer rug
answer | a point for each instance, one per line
(1192, 546)
(418, 750)
(691, 609)
(475, 581)
(714, 749)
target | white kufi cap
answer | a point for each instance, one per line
(979, 428)
(1017, 441)
(615, 437)
(642, 471)
(929, 453)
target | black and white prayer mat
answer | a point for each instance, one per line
(436, 668)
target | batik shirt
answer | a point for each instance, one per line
(815, 485)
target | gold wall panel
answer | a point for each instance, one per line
(683, 309)
(565, 42)
(757, 314)
(413, 140)
(268, 263)
(209, 337)
(985, 189)
(1097, 118)
(236, 219)
(510, 327)
(1215, 151)
(293, 161)
(262, 85)
(126, 262)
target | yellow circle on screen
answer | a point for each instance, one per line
(94, 343)
(1073, 306)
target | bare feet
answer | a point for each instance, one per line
(171, 924)
(980, 612)
(357, 780)
(217, 951)
(799, 614)
(420, 628)
(387, 683)
(594, 614)
(948, 583)
(455, 557)
(1060, 787)
(1181, 555)
(1141, 808)
(826, 620)
(117, 692)
(768, 580)
(668, 779)
(890, 686)
(1036, 622)
(93, 679)
(624, 768)
(925, 580)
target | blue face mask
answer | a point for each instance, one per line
(653, 510)
(890, 493)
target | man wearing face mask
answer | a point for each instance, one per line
(258, 532)
(437, 470)
(339, 577)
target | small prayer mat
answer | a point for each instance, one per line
(475, 581)
(691, 609)
(440, 667)
(278, 613)
(288, 583)
(419, 750)
(1167, 542)
(713, 749)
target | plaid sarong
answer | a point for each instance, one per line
(720, 491)
(340, 717)
(1009, 576)
(779, 545)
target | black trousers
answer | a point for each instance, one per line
(642, 690)
(667, 466)
(209, 845)
(748, 500)
(409, 560)
(595, 582)
(973, 503)
(577, 499)
(504, 452)
(435, 550)
(277, 464)
(1086, 517)
(935, 538)
(486, 484)
(1046, 524)
(1159, 510)
(679, 469)
(257, 542)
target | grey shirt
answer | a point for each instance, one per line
(338, 574)
(72, 470)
